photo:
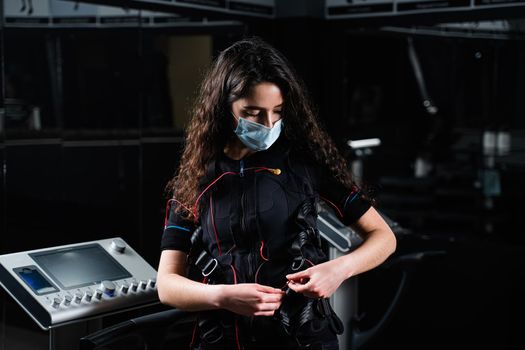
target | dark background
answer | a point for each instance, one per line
(98, 166)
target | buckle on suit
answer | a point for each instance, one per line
(211, 262)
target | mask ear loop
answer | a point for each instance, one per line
(235, 117)
(237, 125)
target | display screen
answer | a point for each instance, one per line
(35, 280)
(80, 266)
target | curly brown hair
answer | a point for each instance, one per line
(231, 76)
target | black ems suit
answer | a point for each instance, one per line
(257, 223)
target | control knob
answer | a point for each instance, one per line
(88, 296)
(78, 297)
(143, 284)
(152, 283)
(118, 246)
(124, 288)
(98, 294)
(108, 288)
(56, 302)
(67, 300)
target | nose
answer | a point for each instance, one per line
(267, 120)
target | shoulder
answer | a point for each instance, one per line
(304, 165)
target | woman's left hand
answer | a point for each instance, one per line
(319, 281)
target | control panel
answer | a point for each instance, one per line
(75, 282)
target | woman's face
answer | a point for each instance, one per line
(263, 105)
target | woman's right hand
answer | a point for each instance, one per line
(250, 299)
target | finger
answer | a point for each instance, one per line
(298, 275)
(268, 289)
(271, 298)
(302, 280)
(269, 306)
(299, 288)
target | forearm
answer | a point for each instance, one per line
(249, 299)
(185, 294)
(375, 249)
(321, 281)
(181, 292)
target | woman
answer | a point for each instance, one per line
(240, 243)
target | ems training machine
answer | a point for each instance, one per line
(78, 282)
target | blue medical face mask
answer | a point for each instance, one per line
(255, 136)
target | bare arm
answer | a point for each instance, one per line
(181, 292)
(379, 243)
(322, 280)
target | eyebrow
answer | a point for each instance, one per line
(257, 107)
